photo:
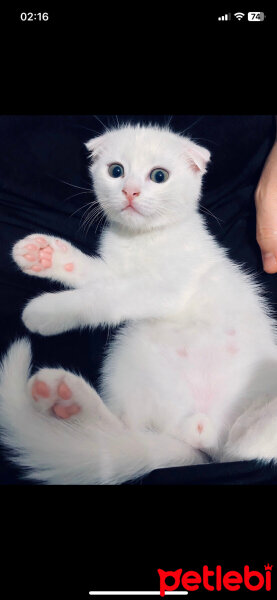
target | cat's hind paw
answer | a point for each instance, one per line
(253, 435)
(62, 394)
(54, 391)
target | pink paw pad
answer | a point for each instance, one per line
(64, 391)
(64, 412)
(200, 427)
(61, 245)
(40, 388)
(41, 240)
(62, 406)
(69, 267)
(30, 257)
(46, 263)
(39, 253)
(46, 252)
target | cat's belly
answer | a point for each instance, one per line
(160, 374)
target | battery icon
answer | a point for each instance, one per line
(256, 16)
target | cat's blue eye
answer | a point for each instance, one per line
(159, 175)
(116, 170)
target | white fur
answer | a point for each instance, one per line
(192, 372)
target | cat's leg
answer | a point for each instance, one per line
(253, 434)
(60, 393)
(88, 447)
(108, 299)
(50, 314)
(54, 258)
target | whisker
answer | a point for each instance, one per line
(74, 196)
(205, 140)
(87, 128)
(91, 216)
(94, 205)
(192, 125)
(90, 222)
(84, 205)
(105, 126)
(101, 220)
(71, 184)
(205, 209)
(88, 218)
(169, 121)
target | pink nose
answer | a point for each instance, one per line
(131, 192)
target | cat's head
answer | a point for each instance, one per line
(146, 177)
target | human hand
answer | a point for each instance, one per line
(266, 210)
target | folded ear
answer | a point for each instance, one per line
(94, 146)
(197, 155)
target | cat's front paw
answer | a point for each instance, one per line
(44, 256)
(42, 316)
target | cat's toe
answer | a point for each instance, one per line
(33, 254)
(52, 392)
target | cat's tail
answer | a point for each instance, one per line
(58, 451)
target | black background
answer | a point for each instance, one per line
(66, 541)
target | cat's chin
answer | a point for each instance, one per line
(131, 219)
(137, 223)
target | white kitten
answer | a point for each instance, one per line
(193, 371)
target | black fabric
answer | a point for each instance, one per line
(43, 170)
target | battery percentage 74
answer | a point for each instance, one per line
(256, 16)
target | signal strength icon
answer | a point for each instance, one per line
(226, 17)
(239, 16)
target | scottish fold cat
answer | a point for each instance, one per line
(191, 375)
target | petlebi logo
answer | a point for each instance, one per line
(215, 580)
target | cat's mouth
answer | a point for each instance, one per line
(132, 208)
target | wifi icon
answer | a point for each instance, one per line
(239, 16)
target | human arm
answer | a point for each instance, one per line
(266, 211)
